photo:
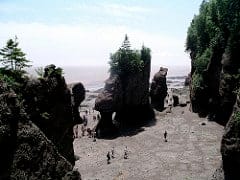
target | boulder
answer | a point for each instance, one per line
(158, 90)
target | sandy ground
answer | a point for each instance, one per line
(191, 152)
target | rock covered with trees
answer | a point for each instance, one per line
(48, 104)
(25, 150)
(213, 42)
(126, 92)
(36, 121)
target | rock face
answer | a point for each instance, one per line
(230, 146)
(25, 151)
(228, 83)
(158, 90)
(126, 94)
(48, 103)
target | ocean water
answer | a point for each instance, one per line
(93, 78)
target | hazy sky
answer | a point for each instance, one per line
(85, 32)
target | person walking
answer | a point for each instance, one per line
(125, 156)
(165, 135)
(94, 136)
(113, 153)
(108, 157)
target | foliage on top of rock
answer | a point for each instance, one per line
(127, 61)
(217, 21)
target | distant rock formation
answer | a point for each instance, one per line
(126, 92)
(78, 93)
(26, 153)
(158, 90)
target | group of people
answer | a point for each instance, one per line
(111, 155)
(91, 133)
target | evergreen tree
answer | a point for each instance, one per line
(126, 43)
(127, 61)
(12, 56)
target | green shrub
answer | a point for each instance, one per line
(237, 117)
(201, 62)
(197, 82)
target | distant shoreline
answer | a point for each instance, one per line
(93, 77)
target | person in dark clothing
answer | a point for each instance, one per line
(113, 153)
(108, 157)
(85, 121)
(165, 136)
(125, 156)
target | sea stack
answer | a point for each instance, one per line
(78, 94)
(159, 89)
(126, 92)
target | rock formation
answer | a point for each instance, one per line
(158, 90)
(26, 153)
(48, 103)
(107, 102)
(230, 146)
(78, 93)
(126, 92)
(215, 61)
